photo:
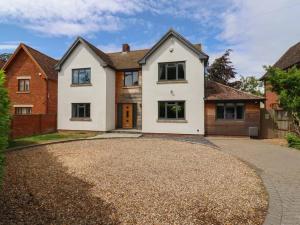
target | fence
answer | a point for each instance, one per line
(28, 125)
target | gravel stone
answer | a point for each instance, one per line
(130, 181)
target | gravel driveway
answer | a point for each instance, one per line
(129, 181)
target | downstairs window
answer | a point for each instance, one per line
(81, 110)
(230, 111)
(171, 110)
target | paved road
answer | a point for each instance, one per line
(279, 168)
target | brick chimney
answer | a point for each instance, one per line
(125, 48)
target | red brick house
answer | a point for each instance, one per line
(289, 59)
(32, 89)
(229, 111)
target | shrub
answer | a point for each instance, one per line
(293, 141)
(4, 121)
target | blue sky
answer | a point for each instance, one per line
(258, 31)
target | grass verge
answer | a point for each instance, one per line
(45, 138)
(293, 141)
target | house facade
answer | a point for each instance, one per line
(156, 90)
(32, 89)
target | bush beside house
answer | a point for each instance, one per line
(4, 121)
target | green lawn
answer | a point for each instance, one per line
(45, 138)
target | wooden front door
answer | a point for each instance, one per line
(127, 117)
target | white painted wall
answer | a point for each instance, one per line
(96, 94)
(192, 92)
(110, 98)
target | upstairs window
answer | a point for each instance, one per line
(81, 76)
(131, 78)
(23, 85)
(171, 110)
(171, 71)
(23, 110)
(230, 111)
(81, 110)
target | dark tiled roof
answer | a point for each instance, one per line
(215, 91)
(290, 58)
(130, 60)
(127, 60)
(101, 54)
(2, 62)
(45, 62)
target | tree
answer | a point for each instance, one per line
(251, 85)
(5, 56)
(4, 121)
(222, 70)
(286, 85)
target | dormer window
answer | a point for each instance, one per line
(171, 71)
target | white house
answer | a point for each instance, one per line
(157, 90)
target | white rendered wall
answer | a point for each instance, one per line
(82, 57)
(191, 92)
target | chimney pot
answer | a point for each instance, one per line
(125, 48)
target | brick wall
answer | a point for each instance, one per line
(28, 125)
(231, 127)
(129, 95)
(271, 97)
(23, 65)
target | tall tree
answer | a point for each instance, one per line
(251, 85)
(5, 56)
(4, 121)
(286, 85)
(222, 70)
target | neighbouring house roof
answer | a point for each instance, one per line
(2, 62)
(44, 62)
(290, 58)
(172, 33)
(103, 58)
(215, 91)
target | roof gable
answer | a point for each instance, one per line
(44, 63)
(172, 33)
(102, 57)
(215, 91)
(289, 59)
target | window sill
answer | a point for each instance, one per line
(172, 82)
(23, 92)
(80, 119)
(171, 121)
(131, 87)
(80, 85)
(230, 120)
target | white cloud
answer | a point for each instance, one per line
(259, 32)
(68, 17)
(4, 46)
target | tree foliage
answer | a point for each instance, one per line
(222, 70)
(287, 86)
(5, 56)
(4, 121)
(251, 85)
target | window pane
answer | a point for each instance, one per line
(171, 71)
(135, 78)
(75, 77)
(171, 110)
(87, 110)
(81, 76)
(81, 110)
(21, 85)
(220, 111)
(240, 112)
(181, 71)
(127, 79)
(230, 111)
(180, 109)
(162, 71)
(161, 110)
(26, 85)
(74, 111)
